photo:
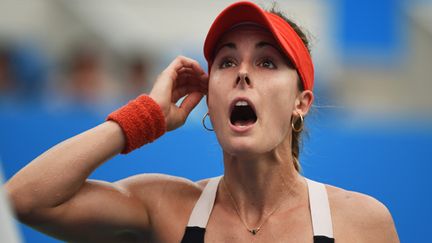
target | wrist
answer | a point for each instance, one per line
(141, 120)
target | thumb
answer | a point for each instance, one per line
(190, 102)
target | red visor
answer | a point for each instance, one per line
(285, 35)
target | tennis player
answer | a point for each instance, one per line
(259, 88)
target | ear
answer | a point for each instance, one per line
(303, 102)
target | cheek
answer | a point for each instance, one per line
(218, 88)
(216, 97)
(213, 93)
(279, 98)
(278, 111)
(276, 122)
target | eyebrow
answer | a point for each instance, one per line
(263, 44)
(288, 61)
(228, 45)
(258, 45)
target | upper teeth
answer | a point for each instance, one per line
(241, 103)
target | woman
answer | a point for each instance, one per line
(259, 90)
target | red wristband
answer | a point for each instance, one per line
(141, 120)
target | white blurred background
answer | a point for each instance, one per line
(367, 60)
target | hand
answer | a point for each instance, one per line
(182, 77)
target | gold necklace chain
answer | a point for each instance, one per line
(255, 230)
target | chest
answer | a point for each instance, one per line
(290, 226)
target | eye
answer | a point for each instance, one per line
(227, 63)
(267, 63)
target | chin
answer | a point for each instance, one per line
(243, 146)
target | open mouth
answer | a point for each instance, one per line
(242, 113)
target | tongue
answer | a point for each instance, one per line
(243, 123)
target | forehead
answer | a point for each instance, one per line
(246, 33)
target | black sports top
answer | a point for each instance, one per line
(318, 203)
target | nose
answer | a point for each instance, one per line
(243, 79)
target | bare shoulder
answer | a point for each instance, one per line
(360, 216)
(165, 198)
(157, 191)
(359, 206)
(156, 185)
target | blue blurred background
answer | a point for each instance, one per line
(64, 65)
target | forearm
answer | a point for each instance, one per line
(55, 176)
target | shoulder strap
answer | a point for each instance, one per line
(203, 207)
(320, 209)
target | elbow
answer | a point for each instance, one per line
(25, 206)
(20, 204)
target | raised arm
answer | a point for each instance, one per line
(53, 194)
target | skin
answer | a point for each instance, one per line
(53, 194)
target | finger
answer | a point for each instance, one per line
(204, 81)
(187, 76)
(191, 63)
(167, 80)
(184, 90)
(185, 69)
(189, 103)
(181, 62)
(190, 70)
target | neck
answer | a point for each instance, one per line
(260, 184)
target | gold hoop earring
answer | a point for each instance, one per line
(203, 123)
(301, 126)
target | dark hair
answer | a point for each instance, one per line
(296, 136)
